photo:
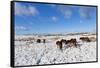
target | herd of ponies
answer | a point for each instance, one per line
(59, 43)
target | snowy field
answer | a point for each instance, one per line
(33, 53)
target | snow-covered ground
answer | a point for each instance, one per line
(33, 53)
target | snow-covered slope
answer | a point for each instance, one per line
(48, 53)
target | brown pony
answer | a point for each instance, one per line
(38, 41)
(86, 39)
(71, 42)
(63, 41)
(44, 40)
(59, 44)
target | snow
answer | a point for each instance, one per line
(48, 53)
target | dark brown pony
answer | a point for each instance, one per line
(38, 41)
(44, 40)
(63, 41)
(59, 44)
(72, 42)
(86, 39)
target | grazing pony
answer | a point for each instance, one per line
(38, 41)
(72, 42)
(44, 40)
(63, 41)
(59, 44)
(86, 39)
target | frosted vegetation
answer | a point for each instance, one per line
(29, 52)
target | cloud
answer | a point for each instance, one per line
(65, 10)
(21, 10)
(54, 18)
(20, 28)
(85, 12)
(80, 21)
